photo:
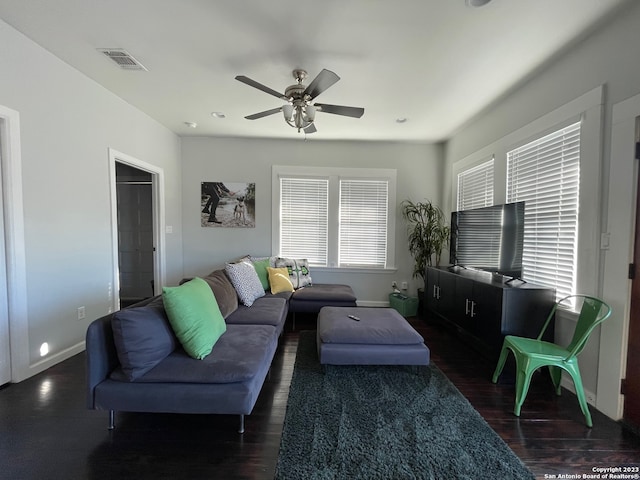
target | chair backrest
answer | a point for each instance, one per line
(593, 312)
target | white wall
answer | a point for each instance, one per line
(241, 160)
(607, 58)
(67, 124)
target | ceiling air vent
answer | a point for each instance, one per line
(123, 58)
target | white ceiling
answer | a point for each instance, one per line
(436, 63)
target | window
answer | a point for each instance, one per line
(475, 187)
(335, 217)
(363, 223)
(545, 174)
(304, 204)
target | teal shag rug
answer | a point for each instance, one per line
(385, 422)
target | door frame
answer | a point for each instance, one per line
(14, 243)
(157, 189)
(621, 215)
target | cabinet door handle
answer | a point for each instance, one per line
(473, 308)
(434, 291)
(438, 297)
(466, 306)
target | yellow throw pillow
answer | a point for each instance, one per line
(279, 280)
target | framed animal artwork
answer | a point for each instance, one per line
(228, 205)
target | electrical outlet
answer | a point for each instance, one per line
(405, 285)
(81, 313)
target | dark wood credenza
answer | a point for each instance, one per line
(484, 307)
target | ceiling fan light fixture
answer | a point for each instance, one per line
(287, 111)
(477, 3)
(311, 113)
(299, 112)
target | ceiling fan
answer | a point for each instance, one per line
(299, 112)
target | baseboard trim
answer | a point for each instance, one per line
(50, 361)
(372, 303)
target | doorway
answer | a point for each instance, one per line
(631, 411)
(135, 234)
(137, 206)
(14, 336)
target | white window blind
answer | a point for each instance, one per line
(304, 206)
(363, 223)
(475, 187)
(546, 175)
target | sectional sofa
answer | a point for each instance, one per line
(136, 363)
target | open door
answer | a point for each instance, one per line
(631, 384)
(138, 229)
(134, 190)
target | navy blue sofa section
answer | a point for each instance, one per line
(227, 381)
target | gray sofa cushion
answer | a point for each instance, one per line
(143, 338)
(268, 310)
(312, 298)
(223, 290)
(236, 357)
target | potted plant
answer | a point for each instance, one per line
(427, 233)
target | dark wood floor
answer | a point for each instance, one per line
(47, 432)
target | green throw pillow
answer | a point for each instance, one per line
(261, 270)
(194, 316)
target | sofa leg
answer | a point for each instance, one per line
(241, 429)
(112, 418)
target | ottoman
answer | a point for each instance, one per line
(381, 337)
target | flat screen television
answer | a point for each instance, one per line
(489, 238)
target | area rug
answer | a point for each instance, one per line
(385, 422)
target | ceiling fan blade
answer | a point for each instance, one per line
(355, 112)
(260, 86)
(311, 129)
(266, 113)
(324, 80)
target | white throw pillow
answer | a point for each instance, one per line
(245, 280)
(299, 272)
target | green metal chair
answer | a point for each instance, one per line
(531, 354)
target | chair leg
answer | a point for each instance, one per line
(501, 361)
(112, 420)
(556, 378)
(523, 380)
(582, 399)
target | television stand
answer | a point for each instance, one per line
(485, 308)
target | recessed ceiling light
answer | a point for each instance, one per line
(401, 120)
(191, 124)
(477, 3)
(218, 115)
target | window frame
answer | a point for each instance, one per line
(485, 165)
(334, 175)
(588, 108)
(534, 144)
